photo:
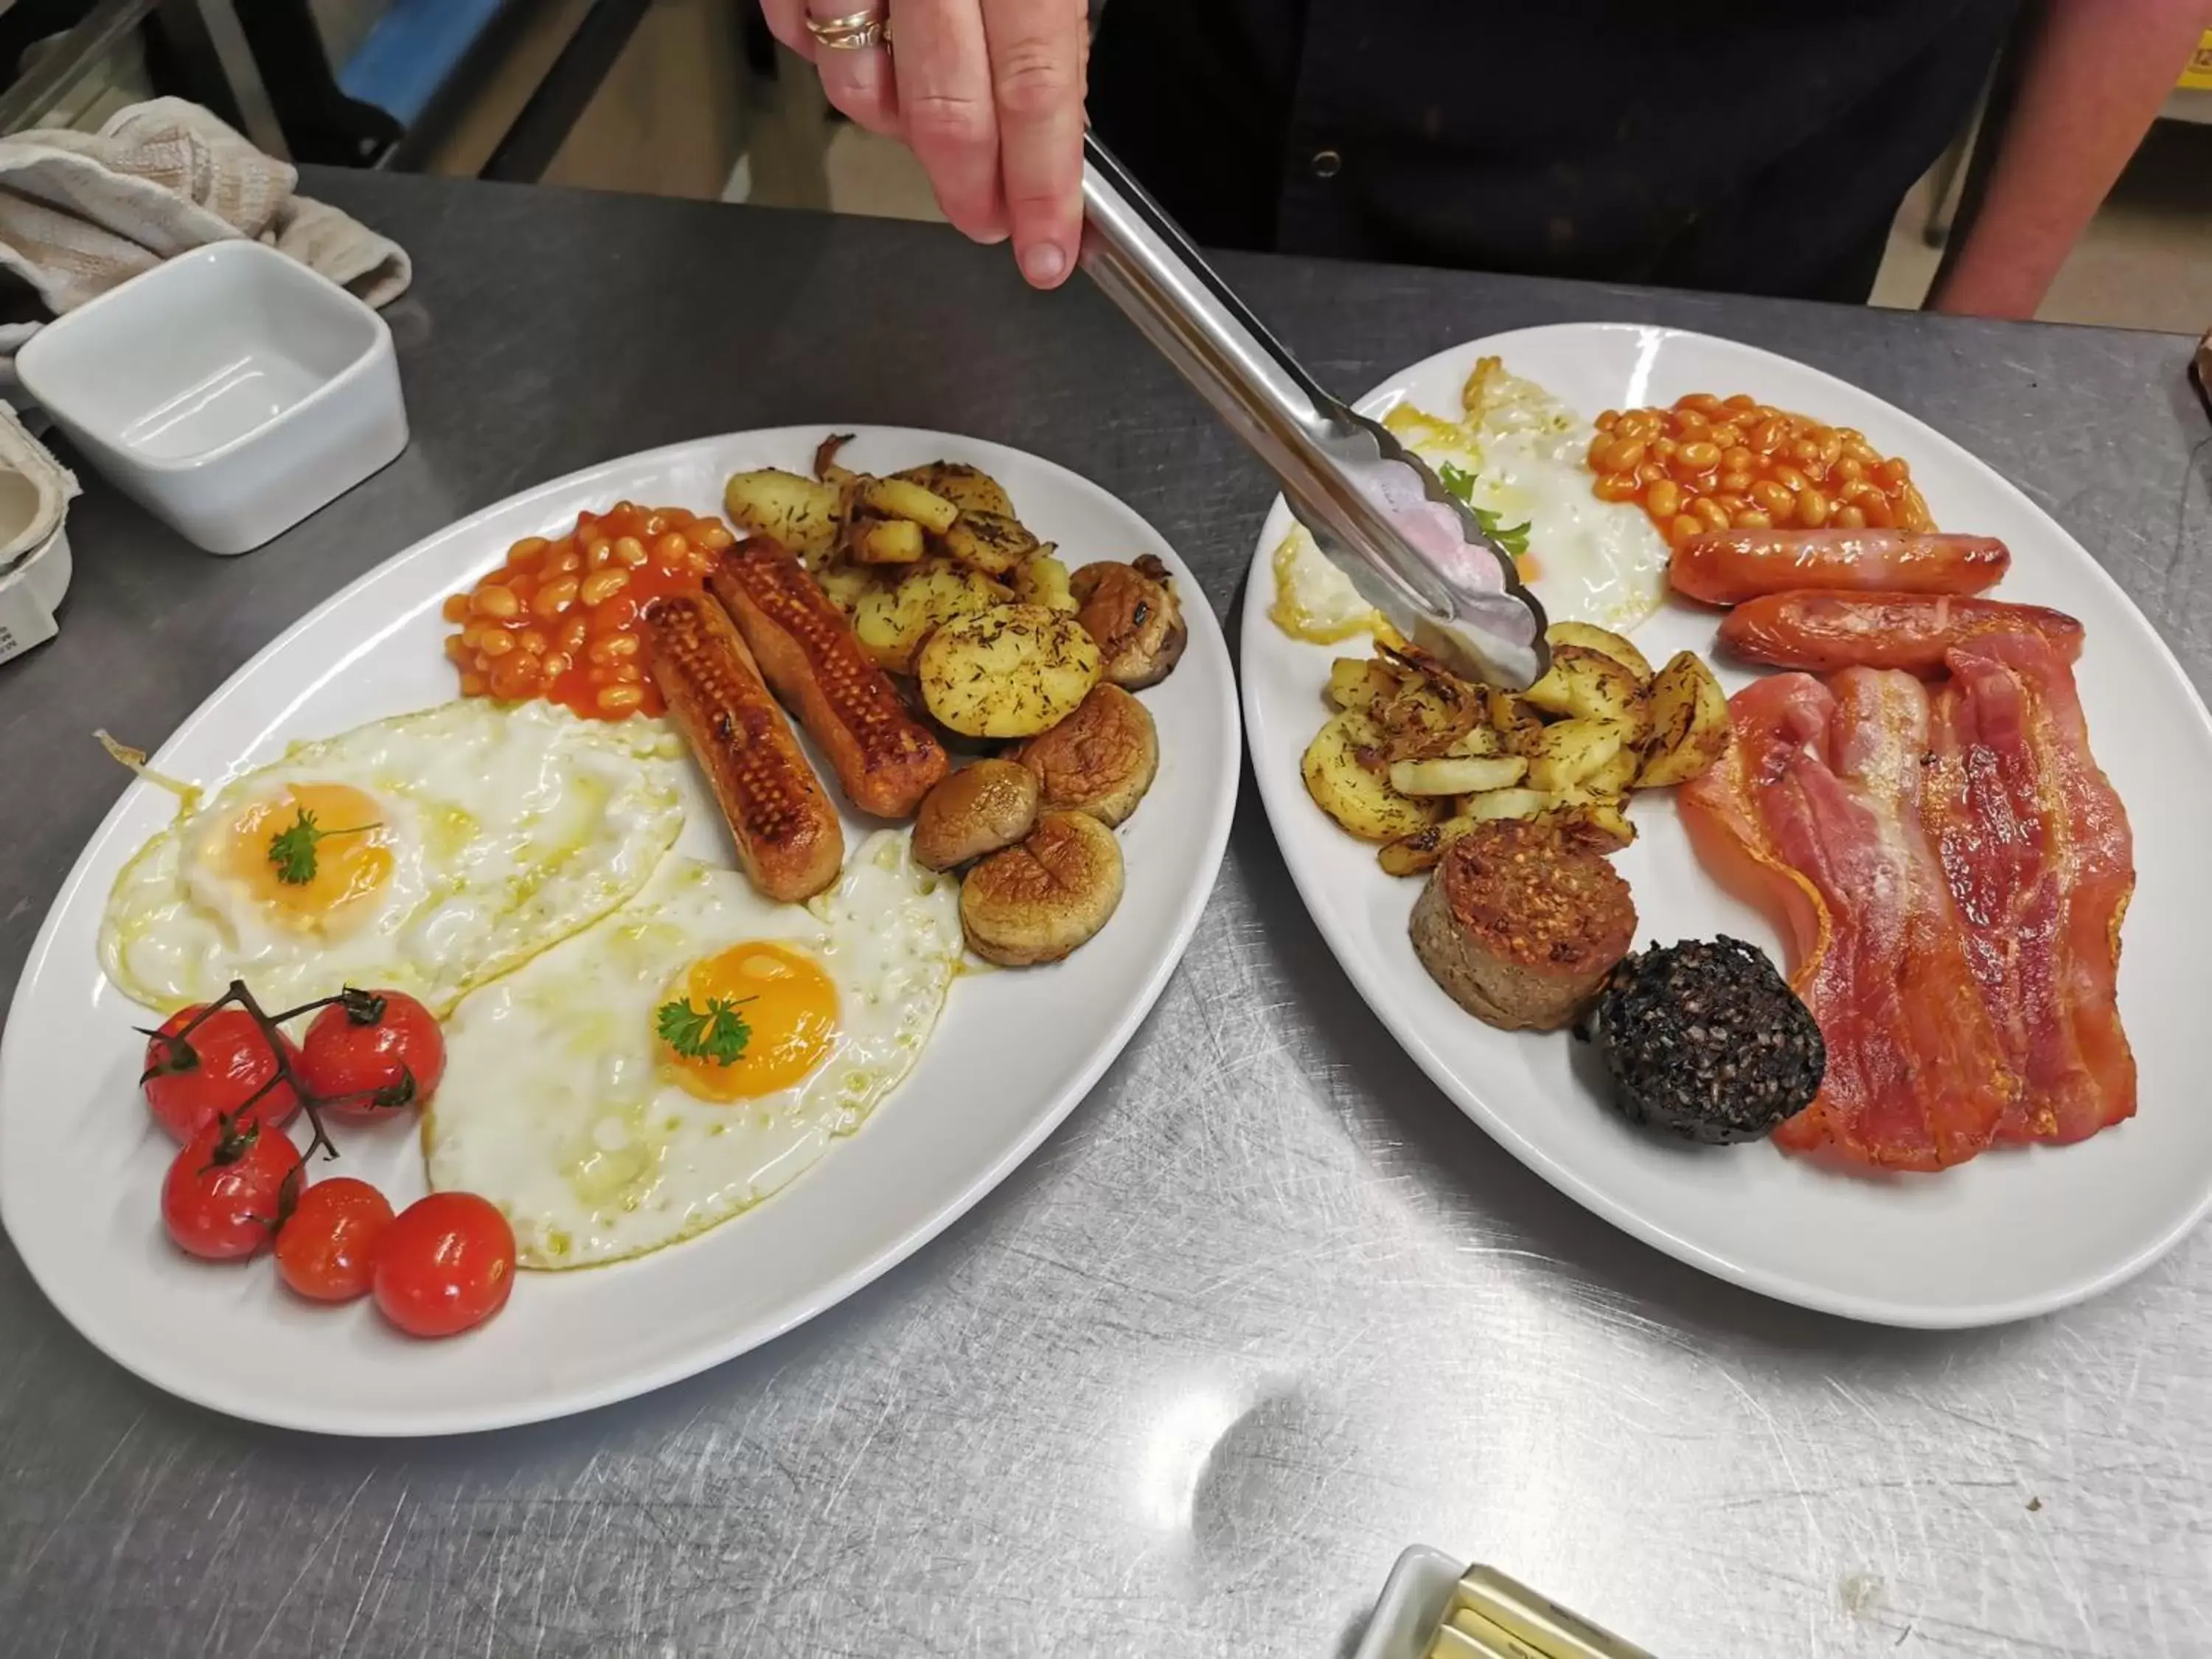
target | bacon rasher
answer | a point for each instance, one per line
(1817, 809)
(2036, 849)
(1952, 868)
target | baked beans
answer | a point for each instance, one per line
(560, 619)
(1710, 463)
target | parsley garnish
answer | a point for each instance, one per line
(1461, 482)
(719, 1033)
(293, 850)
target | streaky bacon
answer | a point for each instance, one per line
(2036, 847)
(1818, 806)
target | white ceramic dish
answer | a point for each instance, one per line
(81, 1164)
(230, 391)
(2011, 1233)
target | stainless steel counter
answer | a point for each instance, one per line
(1268, 1309)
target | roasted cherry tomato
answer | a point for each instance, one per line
(190, 1081)
(381, 1045)
(230, 1187)
(446, 1263)
(327, 1249)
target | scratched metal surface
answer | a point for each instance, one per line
(1269, 1308)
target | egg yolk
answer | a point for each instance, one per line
(311, 855)
(790, 1010)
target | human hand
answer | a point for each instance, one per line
(987, 94)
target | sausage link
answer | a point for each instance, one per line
(1822, 632)
(884, 758)
(1731, 566)
(787, 832)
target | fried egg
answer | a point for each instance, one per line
(1588, 559)
(602, 1097)
(1519, 453)
(423, 854)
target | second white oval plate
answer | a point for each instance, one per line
(2010, 1234)
(81, 1163)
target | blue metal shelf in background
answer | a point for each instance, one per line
(411, 53)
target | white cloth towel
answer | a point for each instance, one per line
(81, 212)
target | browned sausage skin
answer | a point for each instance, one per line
(787, 835)
(1821, 633)
(884, 758)
(1731, 566)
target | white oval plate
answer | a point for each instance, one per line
(2010, 1234)
(81, 1164)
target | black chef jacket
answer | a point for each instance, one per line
(1755, 146)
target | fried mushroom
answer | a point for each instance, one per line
(1132, 611)
(1100, 760)
(974, 811)
(1047, 895)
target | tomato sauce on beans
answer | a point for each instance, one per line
(1709, 463)
(560, 619)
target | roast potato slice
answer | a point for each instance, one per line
(1359, 683)
(802, 513)
(1590, 637)
(1477, 743)
(967, 487)
(1587, 685)
(975, 811)
(1360, 801)
(1011, 671)
(1572, 751)
(1099, 760)
(1041, 578)
(1690, 727)
(893, 621)
(1131, 611)
(989, 542)
(1424, 715)
(1615, 778)
(1410, 855)
(894, 498)
(845, 584)
(1599, 825)
(1456, 777)
(1513, 719)
(1044, 896)
(887, 541)
(1505, 804)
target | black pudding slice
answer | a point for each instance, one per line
(1706, 1039)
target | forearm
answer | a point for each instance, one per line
(2093, 81)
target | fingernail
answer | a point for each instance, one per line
(1045, 264)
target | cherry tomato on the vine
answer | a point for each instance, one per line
(382, 1045)
(230, 1188)
(326, 1250)
(192, 1080)
(446, 1262)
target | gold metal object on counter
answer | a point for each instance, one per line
(1494, 1616)
(1454, 1642)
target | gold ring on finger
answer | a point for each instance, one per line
(855, 31)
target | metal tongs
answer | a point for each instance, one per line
(1465, 605)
